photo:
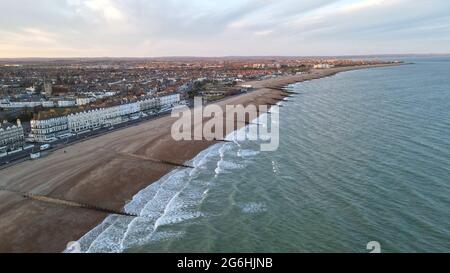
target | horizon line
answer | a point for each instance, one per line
(229, 56)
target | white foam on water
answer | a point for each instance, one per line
(247, 153)
(252, 208)
(265, 122)
(275, 168)
(107, 240)
(251, 131)
(164, 235)
(173, 218)
(172, 200)
(174, 203)
(87, 240)
(237, 135)
(228, 165)
(225, 164)
(273, 110)
(205, 194)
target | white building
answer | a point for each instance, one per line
(323, 66)
(11, 137)
(66, 103)
(149, 104)
(130, 108)
(48, 129)
(113, 115)
(48, 104)
(85, 121)
(169, 101)
(20, 104)
(100, 118)
(84, 101)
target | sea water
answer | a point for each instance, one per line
(364, 156)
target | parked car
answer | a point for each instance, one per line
(45, 147)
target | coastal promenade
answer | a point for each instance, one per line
(104, 172)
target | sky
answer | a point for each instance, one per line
(155, 28)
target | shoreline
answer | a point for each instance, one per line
(107, 171)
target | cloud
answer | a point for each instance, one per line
(107, 9)
(263, 32)
(359, 6)
(233, 27)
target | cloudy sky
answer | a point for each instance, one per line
(143, 28)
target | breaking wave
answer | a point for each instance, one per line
(173, 199)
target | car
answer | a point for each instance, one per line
(65, 136)
(52, 139)
(45, 147)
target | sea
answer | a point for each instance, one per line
(364, 156)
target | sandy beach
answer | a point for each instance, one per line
(106, 171)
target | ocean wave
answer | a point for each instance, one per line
(224, 166)
(172, 200)
(247, 153)
(252, 208)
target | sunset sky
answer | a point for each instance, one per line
(145, 28)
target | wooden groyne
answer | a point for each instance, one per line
(67, 203)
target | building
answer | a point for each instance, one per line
(20, 104)
(48, 89)
(84, 101)
(149, 104)
(102, 95)
(11, 137)
(125, 110)
(66, 103)
(48, 129)
(48, 104)
(169, 101)
(101, 118)
(323, 66)
(85, 121)
(246, 87)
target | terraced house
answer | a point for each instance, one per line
(104, 117)
(48, 130)
(44, 130)
(11, 137)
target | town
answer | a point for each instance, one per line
(49, 103)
